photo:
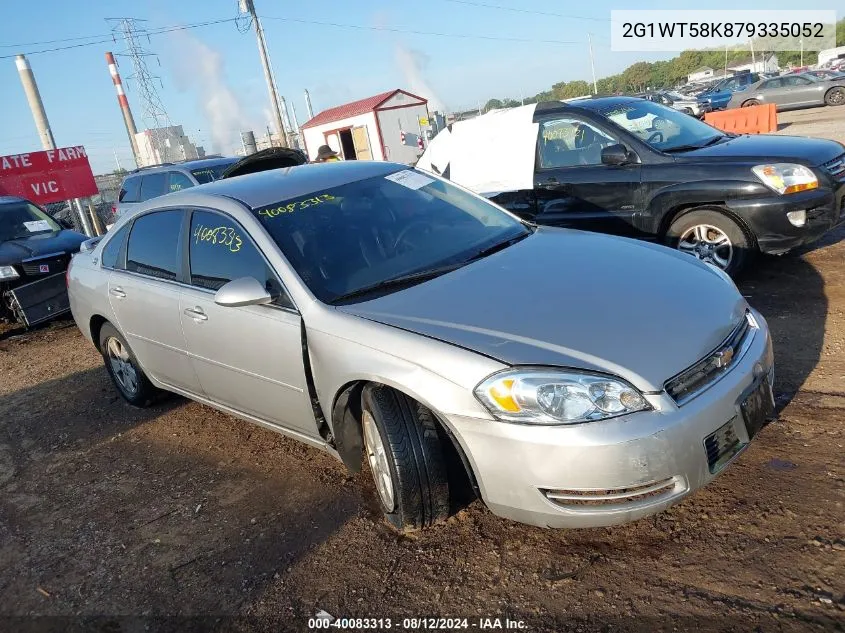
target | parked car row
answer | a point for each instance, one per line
(789, 92)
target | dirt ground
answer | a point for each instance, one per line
(182, 518)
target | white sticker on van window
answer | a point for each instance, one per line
(409, 179)
(38, 225)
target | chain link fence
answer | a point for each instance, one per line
(108, 186)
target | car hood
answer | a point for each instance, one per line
(771, 148)
(574, 299)
(38, 245)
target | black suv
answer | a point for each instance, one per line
(633, 167)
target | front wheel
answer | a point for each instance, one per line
(405, 457)
(712, 237)
(835, 97)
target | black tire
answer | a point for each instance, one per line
(144, 394)
(415, 458)
(749, 103)
(742, 244)
(835, 97)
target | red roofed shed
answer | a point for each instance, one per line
(382, 127)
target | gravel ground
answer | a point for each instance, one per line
(826, 122)
(178, 511)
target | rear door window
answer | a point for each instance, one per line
(153, 247)
(152, 185)
(111, 257)
(130, 191)
(177, 181)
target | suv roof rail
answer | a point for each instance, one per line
(137, 169)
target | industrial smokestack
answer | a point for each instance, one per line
(30, 88)
(248, 141)
(131, 130)
(308, 105)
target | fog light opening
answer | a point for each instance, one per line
(797, 218)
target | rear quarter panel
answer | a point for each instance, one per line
(88, 287)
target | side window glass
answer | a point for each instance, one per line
(178, 181)
(111, 251)
(153, 247)
(773, 83)
(570, 143)
(220, 252)
(130, 190)
(152, 185)
(798, 81)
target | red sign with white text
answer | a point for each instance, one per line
(49, 176)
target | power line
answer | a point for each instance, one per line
(516, 10)
(415, 32)
(110, 38)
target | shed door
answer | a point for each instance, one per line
(362, 143)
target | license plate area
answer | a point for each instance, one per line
(757, 406)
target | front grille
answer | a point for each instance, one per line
(721, 446)
(57, 263)
(706, 371)
(835, 167)
(615, 498)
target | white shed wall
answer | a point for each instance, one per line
(314, 135)
(408, 120)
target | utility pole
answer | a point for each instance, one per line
(248, 6)
(802, 53)
(753, 58)
(33, 96)
(592, 64)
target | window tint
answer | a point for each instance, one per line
(152, 185)
(796, 81)
(178, 181)
(221, 251)
(154, 245)
(111, 251)
(130, 191)
(772, 83)
(570, 142)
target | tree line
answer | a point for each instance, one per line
(670, 73)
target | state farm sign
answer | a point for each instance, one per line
(49, 176)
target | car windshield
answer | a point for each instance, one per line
(346, 239)
(663, 128)
(22, 219)
(211, 172)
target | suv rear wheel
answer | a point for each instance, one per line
(405, 457)
(712, 237)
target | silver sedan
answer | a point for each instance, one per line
(404, 324)
(790, 92)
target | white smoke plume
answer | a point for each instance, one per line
(412, 63)
(200, 68)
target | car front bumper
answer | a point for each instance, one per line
(612, 471)
(775, 234)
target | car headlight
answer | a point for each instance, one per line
(8, 272)
(549, 396)
(786, 177)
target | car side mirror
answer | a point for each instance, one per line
(616, 154)
(246, 291)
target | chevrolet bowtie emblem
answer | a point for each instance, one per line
(724, 357)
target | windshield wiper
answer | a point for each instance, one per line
(401, 280)
(484, 252)
(686, 148)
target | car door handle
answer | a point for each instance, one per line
(196, 314)
(117, 292)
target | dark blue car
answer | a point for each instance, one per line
(720, 93)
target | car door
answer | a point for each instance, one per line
(144, 289)
(573, 188)
(771, 91)
(247, 358)
(802, 91)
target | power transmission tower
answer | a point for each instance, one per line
(154, 115)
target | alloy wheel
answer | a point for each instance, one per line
(122, 367)
(836, 97)
(708, 243)
(377, 457)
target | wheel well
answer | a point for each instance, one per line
(719, 206)
(748, 101)
(349, 441)
(831, 89)
(95, 326)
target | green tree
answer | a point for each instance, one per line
(493, 104)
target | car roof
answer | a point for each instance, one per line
(187, 165)
(275, 185)
(592, 104)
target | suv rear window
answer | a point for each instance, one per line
(152, 185)
(130, 190)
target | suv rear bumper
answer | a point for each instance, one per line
(775, 233)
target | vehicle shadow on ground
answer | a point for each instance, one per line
(796, 317)
(108, 509)
(783, 126)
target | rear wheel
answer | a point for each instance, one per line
(712, 237)
(835, 97)
(749, 103)
(123, 367)
(405, 457)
